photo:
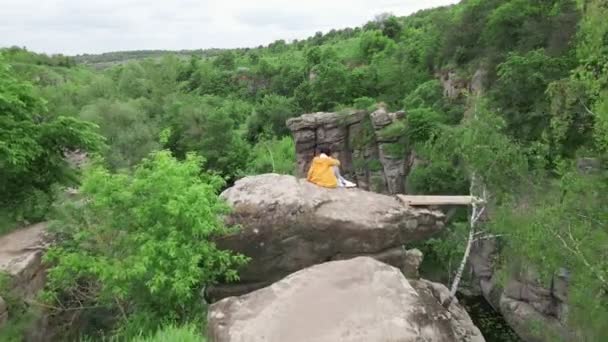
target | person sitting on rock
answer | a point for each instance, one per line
(325, 171)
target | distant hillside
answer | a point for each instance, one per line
(108, 59)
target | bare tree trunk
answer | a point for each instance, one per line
(477, 209)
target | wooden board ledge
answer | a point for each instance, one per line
(414, 200)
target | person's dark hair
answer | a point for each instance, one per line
(325, 150)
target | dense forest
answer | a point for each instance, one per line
(165, 132)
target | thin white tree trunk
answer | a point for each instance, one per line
(477, 209)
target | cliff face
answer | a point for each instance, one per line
(370, 155)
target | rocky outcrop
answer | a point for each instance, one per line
(393, 162)
(359, 299)
(375, 161)
(21, 260)
(288, 224)
(455, 85)
(536, 313)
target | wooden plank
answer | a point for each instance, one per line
(414, 200)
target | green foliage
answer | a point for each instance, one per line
(140, 244)
(32, 146)
(373, 42)
(130, 133)
(273, 156)
(562, 223)
(438, 177)
(422, 124)
(482, 147)
(172, 333)
(428, 94)
(393, 131)
(519, 92)
(543, 104)
(330, 86)
(391, 27)
(201, 124)
(364, 103)
(270, 116)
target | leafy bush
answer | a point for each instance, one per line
(270, 116)
(429, 94)
(172, 333)
(273, 155)
(364, 103)
(438, 177)
(373, 42)
(422, 124)
(202, 125)
(130, 133)
(139, 244)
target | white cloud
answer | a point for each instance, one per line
(93, 26)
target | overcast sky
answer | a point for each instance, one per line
(93, 26)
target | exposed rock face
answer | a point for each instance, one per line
(393, 165)
(359, 299)
(588, 165)
(453, 86)
(477, 82)
(356, 140)
(21, 258)
(524, 303)
(289, 224)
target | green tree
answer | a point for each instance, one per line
(140, 245)
(373, 42)
(391, 27)
(519, 91)
(130, 133)
(270, 116)
(330, 86)
(273, 156)
(199, 124)
(32, 145)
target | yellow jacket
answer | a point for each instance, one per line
(321, 172)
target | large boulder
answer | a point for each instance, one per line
(359, 299)
(288, 224)
(21, 259)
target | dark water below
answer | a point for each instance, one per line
(492, 325)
